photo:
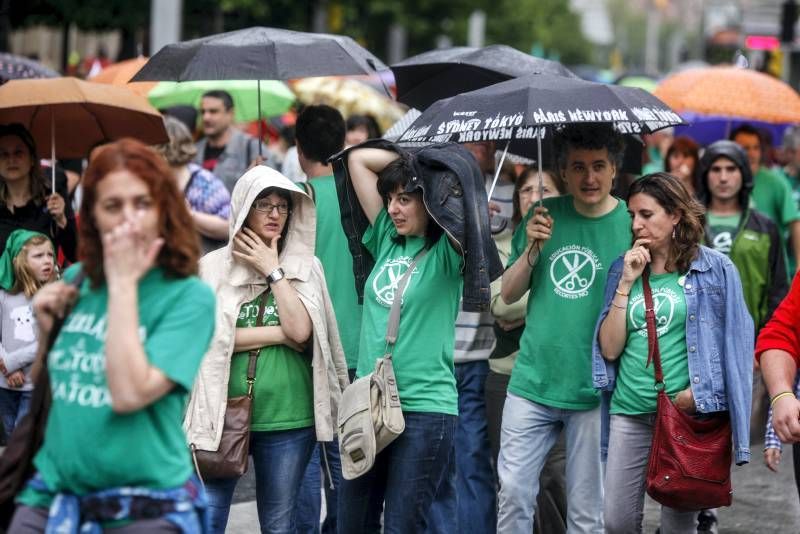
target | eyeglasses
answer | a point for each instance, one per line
(266, 206)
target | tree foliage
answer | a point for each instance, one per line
(518, 23)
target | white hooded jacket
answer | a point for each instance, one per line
(236, 284)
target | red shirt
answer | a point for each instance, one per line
(782, 331)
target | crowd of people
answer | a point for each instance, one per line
(169, 281)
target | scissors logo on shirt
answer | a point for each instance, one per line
(572, 271)
(664, 301)
(388, 278)
(723, 242)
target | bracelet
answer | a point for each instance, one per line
(618, 292)
(779, 396)
(618, 306)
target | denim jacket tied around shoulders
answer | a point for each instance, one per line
(454, 196)
(719, 339)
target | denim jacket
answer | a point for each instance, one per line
(719, 338)
(454, 195)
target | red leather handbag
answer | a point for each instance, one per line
(690, 458)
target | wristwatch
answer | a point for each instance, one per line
(275, 275)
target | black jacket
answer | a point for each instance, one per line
(34, 216)
(453, 193)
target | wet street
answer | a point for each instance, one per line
(763, 502)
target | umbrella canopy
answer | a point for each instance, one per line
(431, 76)
(78, 114)
(517, 110)
(732, 93)
(14, 67)
(259, 54)
(121, 74)
(276, 97)
(350, 97)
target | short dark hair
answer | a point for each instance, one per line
(366, 121)
(396, 175)
(745, 129)
(225, 96)
(319, 132)
(589, 136)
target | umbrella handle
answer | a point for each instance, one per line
(499, 168)
(52, 152)
(539, 135)
(260, 132)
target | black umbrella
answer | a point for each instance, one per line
(517, 112)
(14, 67)
(259, 54)
(423, 79)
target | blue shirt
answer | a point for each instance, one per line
(719, 339)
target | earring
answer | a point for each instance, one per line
(673, 232)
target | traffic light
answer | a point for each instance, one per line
(788, 19)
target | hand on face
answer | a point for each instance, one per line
(540, 226)
(251, 250)
(635, 260)
(128, 253)
(55, 205)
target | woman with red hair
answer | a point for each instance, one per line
(122, 366)
(681, 162)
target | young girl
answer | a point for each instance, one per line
(27, 263)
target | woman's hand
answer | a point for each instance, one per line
(249, 249)
(16, 379)
(772, 457)
(634, 261)
(128, 254)
(55, 206)
(684, 401)
(51, 302)
(540, 226)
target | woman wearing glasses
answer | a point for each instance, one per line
(271, 297)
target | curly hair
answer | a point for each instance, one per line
(668, 191)
(180, 149)
(178, 257)
(588, 136)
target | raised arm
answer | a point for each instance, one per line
(364, 164)
(517, 278)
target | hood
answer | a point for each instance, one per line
(732, 151)
(298, 246)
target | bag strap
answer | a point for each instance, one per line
(394, 314)
(253, 358)
(653, 352)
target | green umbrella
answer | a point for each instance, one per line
(275, 97)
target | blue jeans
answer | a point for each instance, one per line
(309, 506)
(529, 432)
(280, 459)
(14, 404)
(465, 502)
(403, 481)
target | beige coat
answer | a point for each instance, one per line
(236, 284)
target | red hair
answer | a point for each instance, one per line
(180, 252)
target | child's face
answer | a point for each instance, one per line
(41, 261)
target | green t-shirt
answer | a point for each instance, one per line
(635, 389)
(283, 392)
(772, 196)
(332, 250)
(554, 366)
(723, 230)
(89, 447)
(423, 354)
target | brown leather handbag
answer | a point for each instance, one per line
(231, 457)
(690, 458)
